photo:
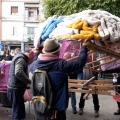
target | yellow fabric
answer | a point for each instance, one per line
(86, 32)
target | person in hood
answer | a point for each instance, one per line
(58, 69)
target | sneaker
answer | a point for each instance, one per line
(96, 113)
(81, 111)
(117, 112)
(74, 111)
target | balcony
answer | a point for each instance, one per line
(32, 19)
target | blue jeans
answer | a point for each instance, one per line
(73, 100)
(80, 76)
(17, 100)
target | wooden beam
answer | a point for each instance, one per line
(99, 49)
(90, 86)
(94, 81)
(90, 91)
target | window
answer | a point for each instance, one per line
(31, 14)
(31, 30)
(13, 30)
(14, 10)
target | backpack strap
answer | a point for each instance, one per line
(40, 98)
(43, 71)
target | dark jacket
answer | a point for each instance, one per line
(18, 74)
(6, 58)
(61, 65)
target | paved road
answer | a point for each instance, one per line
(107, 107)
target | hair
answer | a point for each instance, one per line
(5, 51)
(17, 50)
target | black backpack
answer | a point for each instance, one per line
(43, 96)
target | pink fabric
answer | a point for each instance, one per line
(68, 45)
(89, 59)
(65, 45)
(47, 57)
(4, 75)
(112, 65)
(27, 95)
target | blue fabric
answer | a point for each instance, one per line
(49, 28)
(72, 94)
(59, 84)
(17, 100)
(80, 75)
(73, 100)
(48, 24)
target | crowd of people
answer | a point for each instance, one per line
(8, 55)
(48, 59)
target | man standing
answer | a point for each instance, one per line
(17, 83)
(57, 70)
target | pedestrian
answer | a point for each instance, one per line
(12, 53)
(87, 74)
(73, 75)
(6, 55)
(57, 70)
(17, 83)
(116, 81)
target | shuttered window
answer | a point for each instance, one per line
(14, 10)
(31, 30)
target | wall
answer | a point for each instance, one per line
(8, 30)
(6, 11)
(12, 23)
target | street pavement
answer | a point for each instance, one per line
(107, 106)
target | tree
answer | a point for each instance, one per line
(67, 7)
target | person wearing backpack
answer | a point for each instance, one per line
(17, 83)
(57, 70)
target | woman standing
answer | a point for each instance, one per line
(6, 56)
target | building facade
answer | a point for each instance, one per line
(20, 20)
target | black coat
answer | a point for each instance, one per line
(6, 58)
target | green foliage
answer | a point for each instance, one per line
(67, 7)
